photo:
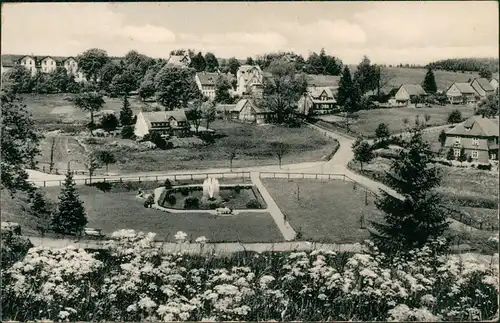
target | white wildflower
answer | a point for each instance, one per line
(201, 240)
(180, 236)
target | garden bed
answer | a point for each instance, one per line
(233, 196)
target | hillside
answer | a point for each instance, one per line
(400, 75)
(466, 64)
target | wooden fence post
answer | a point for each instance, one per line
(139, 179)
(121, 181)
(44, 183)
(175, 178)
(191, 176)
(157, 178)
(344, 178)
(60, 183)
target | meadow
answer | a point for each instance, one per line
(325, 211)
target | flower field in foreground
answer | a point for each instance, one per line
(134, 281)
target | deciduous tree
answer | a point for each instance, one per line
(442, 138)
(366, 76)
(279, 149)
(455, 117)
(363, 153)
(106, 157)
(175, 87)
(233, 65)
(222, 87)
(208, 112)
(91, 63)
(198, 62)
(109, 122)
(90, 102)
(212, 63)
(382, 131)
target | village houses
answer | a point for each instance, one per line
(42, 64)
(482, 87)
(247, 110)
(461, 93)
(494, 83)
(206, 83)
(317, 101)
(478, 136)
(407, 93)
(249, 80)
(166, 123)
(179, 61)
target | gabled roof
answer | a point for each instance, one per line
(413, 89)
(246, 68)
(177, 60)
(464, 88)
(476, 126)
(11, 60)
(241, 104)
(323, 80)
(207, 78)
(164, 116)
(317, 91)
(483, 83)
(225, 107)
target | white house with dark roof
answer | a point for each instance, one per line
(43, 64)
(461, 93)
(478, 136)
(482, 87)
(167, 123)
(317, 101)
(408, 92)
(246, 110)
(206, 83)
(249, 80)
(47, 64)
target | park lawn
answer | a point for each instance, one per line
(327, 211)
(252, 143)
(54, 109)
(370, 119)
(111, 211)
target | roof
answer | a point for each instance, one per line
(176, 60)
(163, 116)
(323, 80)
(316, 91)
(246, 68)
(413, 89)
(476, 126)
(241, 103)
(11, 60)
(484, 84)
(225, 107)
(207, 78)
(465, 88)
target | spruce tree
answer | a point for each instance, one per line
(126, 113)
(70, 216)
(41, 210)
(345, 87)
(417, 216)
(429, 83)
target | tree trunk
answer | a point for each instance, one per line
(91, 123)
(231, 164)
(107, 168)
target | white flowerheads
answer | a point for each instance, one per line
(201, 240)
(180, 236)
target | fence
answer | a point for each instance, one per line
(61, 171)
(147, 178)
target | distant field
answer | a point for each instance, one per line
(370, 119)
(328, 211)
(53, 108)
(113, 211)
(444, 79)
(252, 142)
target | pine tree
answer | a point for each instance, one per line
(417, 216)
(463, 155)
(345, 87)
(429, 83)
(41, 210)
(450, 155)
(70, 216)
(126, 113)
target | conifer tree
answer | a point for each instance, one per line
(126, 113)
(417, 216)
(41, 210)
(345, 86)
(429, 83)
(70, 216)
(450, 155)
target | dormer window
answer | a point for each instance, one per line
(475, 141)
(468, 129)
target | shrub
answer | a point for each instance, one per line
(167, 184)
(149, 201)
(171, 199)
(484, 166)
(237, 189)
(14, 248)
(184, 191)
(211, 203)
(127, 132)
(191, 202)
(253, 204)
(469, 159)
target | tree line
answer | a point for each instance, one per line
(486, 66)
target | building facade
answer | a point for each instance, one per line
(249, 80)
(246, 110)
(482, 87)
(478, 136)
(461, 93)
(317, 101)
(407, 93)
(43, 64)
(166, 123)
(206, 83)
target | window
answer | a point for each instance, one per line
(52, 63)
(474, 154)
(456, 152)
(475, 141)
(457, 141)
(493, 156)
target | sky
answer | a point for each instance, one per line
(387, 32)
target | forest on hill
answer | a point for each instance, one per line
(466, 64)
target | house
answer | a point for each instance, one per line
(494, 83)
(70, 64)
(482, 87)
(247, 110)
(478, 136)
(9, 61)
(167, 123)
(179, 61)
(224, 111)
(317, 101)
(206, 83)
(461, 93)
(47, 64)
(249, 80)
(407, 93)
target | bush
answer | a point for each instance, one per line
(184, 191)
(469, 159)
(484, 167)
(128, 132)
(444, 162)
(167, 184)
(237, 189)
(171, 199)
(253, 204)
(149, 201)
(157, 139)
(191, 202)
(14, 248)
(211, 203)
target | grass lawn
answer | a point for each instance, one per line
(76, 155)
(252, 141)
(328, 211)
(370, 119)
(113, 211)
(54, 109)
